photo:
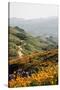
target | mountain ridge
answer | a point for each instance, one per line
(37, 27)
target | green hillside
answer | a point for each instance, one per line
(18, 37)
(33, 61)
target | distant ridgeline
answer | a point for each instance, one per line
(38, 26)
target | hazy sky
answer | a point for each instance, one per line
(30, 11)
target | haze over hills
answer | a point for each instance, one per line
(33, 53)
(37, 27)
(32, 45)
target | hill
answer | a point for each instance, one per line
(33, 61)
(22, 42)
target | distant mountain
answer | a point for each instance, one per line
(37, 27)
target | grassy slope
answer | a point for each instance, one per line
(43, 64)
(18, 37)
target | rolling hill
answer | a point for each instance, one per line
(20, 40)
(33, 60)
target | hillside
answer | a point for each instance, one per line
(33, 61)
(23, 42)
(35, 69)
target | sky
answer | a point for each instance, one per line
(31, 11)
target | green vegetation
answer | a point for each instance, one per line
(18, 37)
(33, 61)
